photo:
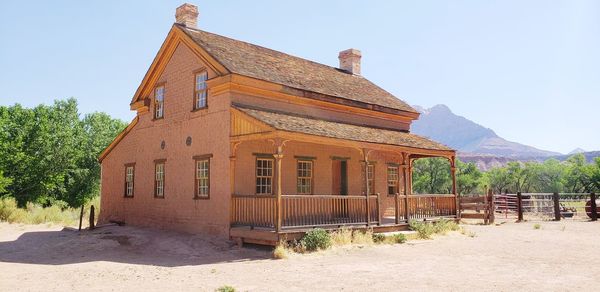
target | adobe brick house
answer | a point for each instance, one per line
(241, 141)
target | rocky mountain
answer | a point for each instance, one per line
(577, 150)
(441, 124)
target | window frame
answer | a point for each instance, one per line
(198, 159)
(371, 178)
(163, 178)
(195, 99)
(156, 102)
(270, 159)
(126, 187)
(396, 182)
(310, 178)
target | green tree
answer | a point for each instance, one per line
(498, 179)
(432, 176)
(49, 153)
(468, 177)
(551, 176)
(4, 183)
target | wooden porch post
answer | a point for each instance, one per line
(454, 192)
(278, 157)
(232, 151)
(368, 191)
(405, 179)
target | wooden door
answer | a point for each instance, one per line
(340, 177)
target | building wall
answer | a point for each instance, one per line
(209, 131)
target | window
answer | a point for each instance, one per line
(305, 176)
(159, 102)
(392, 178)
(159, 179)
(202, 178)
(129, 177)
(264, 176)
(371, 178)
(200, 90)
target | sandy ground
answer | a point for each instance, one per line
(561, 256)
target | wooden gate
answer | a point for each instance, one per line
(477, 207)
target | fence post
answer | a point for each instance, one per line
(486, 211)
(556, 200)
(92, 219)
(593, 206)
(80, 217)
(378, 211)
(397, 207)
(519, 207)
(492, 206)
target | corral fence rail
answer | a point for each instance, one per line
(555, 206)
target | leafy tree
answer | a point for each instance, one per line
(432, 176)
(578, 175)
(49, 153)
(499, 179)
(468, 177)
(4, 183)
(551, 176)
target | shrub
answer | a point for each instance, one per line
(225, 288)
(316, 239)
(444, 225)
(537, 226)
(36, 214)
(343, 236)
(424, 230)
(8, 206)
(398, 238)
(359, 237)
(378, 237)
(281, 251)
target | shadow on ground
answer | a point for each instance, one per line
(125, 245)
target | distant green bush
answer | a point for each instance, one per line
(378, 237)
(225, 288)
(316, 239)
(36, 214)
(424, 230)
(399, 238)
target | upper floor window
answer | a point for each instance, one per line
(305, 176)
(129, 177)
(202, 178)
(371, 178)
(393, 179)
(159, 179)
(200, 90)
(264, 176)
(159, 102)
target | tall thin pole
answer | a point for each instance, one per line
(368, 190)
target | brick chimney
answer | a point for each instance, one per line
(187, 14)
(350, 61)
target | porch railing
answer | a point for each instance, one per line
(298, 211)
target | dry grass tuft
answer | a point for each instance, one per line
(341, 237)
(359, 237)
(281, 251)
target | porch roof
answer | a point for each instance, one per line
(306, 125)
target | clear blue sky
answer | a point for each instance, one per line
(530, 70)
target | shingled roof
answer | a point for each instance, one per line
(306, 125)
(269, 65)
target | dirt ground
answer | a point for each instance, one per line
(561, 256)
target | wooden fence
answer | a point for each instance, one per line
(554, 206)
(478, 207)
(302, 211)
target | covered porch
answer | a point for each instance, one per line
(326, 175)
